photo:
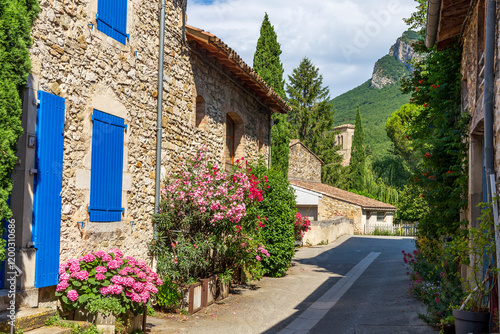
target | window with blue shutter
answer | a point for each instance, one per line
(112, 19)
(106, 174)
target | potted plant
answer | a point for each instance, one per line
(107, 289)
(476, 252)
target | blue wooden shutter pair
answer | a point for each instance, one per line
(112, 19)
(48, 185)
(106, 174)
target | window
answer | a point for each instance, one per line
(380, 216)
(200, 112)
(112, 19)
(106, 174)
(229, 154)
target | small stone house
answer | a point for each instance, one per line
(86, 176)
(467, 22)
(320, 202)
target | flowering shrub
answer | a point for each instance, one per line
(302, 224)
(203, 219)
(100, 275)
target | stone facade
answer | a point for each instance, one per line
(92, 71)
(303, 165)
(330, 208)
(344, 138)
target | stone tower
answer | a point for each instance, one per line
(344, 138)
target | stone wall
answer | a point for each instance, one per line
(327, 231)
(330, 208)
(91, 71)
(303, 165)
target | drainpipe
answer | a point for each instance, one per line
(159, 106)
(433, 11)
(271, 123)
(488, 96)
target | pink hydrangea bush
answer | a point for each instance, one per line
(101, 275)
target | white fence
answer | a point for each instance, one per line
(391, 229)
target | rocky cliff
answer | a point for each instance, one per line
(390, 68)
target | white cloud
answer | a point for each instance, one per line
(343, 38)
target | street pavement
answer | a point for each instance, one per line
(357, 284)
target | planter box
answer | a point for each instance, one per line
(209, 291)
(106, 324)
(191, 297)
(223, 290)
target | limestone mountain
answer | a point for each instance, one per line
(379, 96)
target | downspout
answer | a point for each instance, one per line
(433, 12)
(159, 106)
(271, 123)
(488, 96)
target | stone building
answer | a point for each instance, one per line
(344, 138)
(466, 22)
(321, 202)
(86, 177)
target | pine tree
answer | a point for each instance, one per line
(311, 118)
(358, 156)
(267, 64)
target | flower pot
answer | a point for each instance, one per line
(471, 322)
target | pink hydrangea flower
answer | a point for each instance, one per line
(116, 251)
(74, 267)
(151, 288)
(63, 285)
(64, 276)
(101, 269)
(138, 287)
(117, 279)
(136, 298)
(100, 277)
(116, 289)
(88, 257)
(99, 254)
(72, 295)
(159, 281)
(141, 264)
(123, 272)
(131, 261)
(128, 281)
(81, 275)
(107, 258)
(144, 296)
(113, 264)
(105, 290)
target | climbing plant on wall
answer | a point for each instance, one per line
(16, 20)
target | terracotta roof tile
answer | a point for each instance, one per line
(343, 195)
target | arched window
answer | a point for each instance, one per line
(230, 149)
(200, 112)
(342, 141)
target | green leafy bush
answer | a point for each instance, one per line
(279, 207)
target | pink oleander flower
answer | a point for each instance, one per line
(101, 269)
(72, 295)
(63, 285)
(88, 257)
(258, 258)
(107, 258)
(113, 264)
(100, 277)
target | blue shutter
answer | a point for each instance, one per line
(106, 174)
(112, 19)
(48, 186)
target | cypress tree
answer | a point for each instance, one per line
(267, 64)
(358, 155)
(16, 19)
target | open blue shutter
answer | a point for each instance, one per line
(48, 185)
(106, 174)
(112, 19)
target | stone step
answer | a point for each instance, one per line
(26, 319)
(50, 330)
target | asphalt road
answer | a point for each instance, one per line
(355, 285)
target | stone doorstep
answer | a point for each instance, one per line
(26, 318)
(50, 330)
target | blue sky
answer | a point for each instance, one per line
(343, 38)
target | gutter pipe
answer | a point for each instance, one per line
(433, 13)
(159, 106)
(488, 97)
